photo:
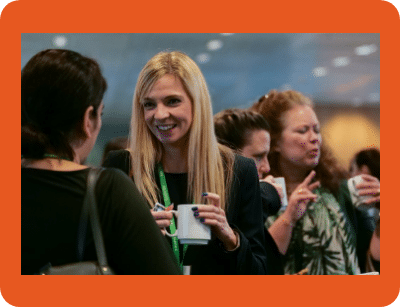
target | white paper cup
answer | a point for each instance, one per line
(355, 198)
(281, 181)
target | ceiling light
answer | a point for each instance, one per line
(214, 44)
(320, 72)
(60, 41)
(227, 34)
(341, 61)
(365, 49)
(203, 58)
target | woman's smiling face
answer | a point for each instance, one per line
(168, 111)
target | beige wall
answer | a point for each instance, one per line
(349, 129)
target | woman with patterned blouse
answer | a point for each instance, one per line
(319, 234)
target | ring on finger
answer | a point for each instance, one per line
(300, 191)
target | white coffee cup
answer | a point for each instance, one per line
(281, 181)
(189, 229)
(355, 198)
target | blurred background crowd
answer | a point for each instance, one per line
(340, 72)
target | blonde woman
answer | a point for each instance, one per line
(172, 133)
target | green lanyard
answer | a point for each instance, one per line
(172, 227)
(51, 156)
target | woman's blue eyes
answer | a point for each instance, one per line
(148, 105)
(152, 105)
(173, 101)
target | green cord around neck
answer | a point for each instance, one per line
(51, 156)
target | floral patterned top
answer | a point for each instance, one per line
(323, 240)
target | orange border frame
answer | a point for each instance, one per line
(207, 16)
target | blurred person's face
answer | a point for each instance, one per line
(355, 170)
(300, 142)
(168, 111)
(257, 148)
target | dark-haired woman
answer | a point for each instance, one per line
(366, 163)
(62, 94)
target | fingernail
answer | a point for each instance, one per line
(196, 213)
(195, 208)
(204, 194)
(202, 220)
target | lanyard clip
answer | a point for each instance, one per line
(158, 207)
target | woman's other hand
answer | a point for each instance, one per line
(214, 216)
(163, 218)
(271, 180)
(300, 197)
(370, 186)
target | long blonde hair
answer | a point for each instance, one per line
(207, 161)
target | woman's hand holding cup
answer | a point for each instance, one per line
(214, 216)
(271, 180)
(163, 218)
(369, 186)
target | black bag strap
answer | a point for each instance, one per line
(90, 208)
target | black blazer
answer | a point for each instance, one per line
(271, 205)
(244, 214)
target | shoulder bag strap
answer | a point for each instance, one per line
(90, 208)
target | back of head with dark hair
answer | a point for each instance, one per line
(371, 158)
(232, 126)
(57, 86)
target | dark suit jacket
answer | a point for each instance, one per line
(244, 213)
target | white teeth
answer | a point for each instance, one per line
(166, 127)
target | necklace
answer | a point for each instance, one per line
(51, 156)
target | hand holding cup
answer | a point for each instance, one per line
(271, 180)
(189, 230)
(364, 189)
(215, 216)
(163, 216)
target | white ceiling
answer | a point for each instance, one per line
(244, 68)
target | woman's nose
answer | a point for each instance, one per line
(161, 112)
(264, 165)
(315, 137)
